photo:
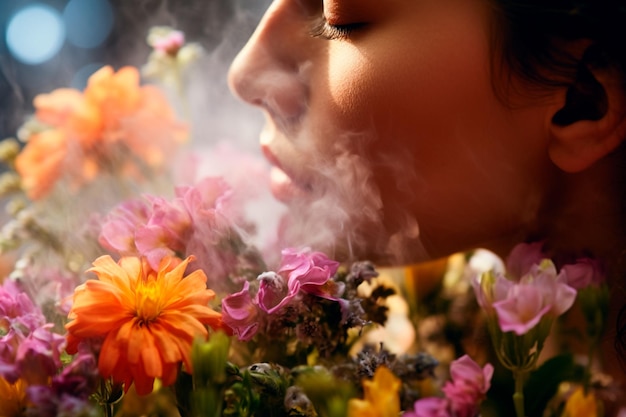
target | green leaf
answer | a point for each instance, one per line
(544, 382)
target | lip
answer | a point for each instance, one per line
(283, 184)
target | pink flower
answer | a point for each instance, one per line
(522, 310)
(39, 355)
(240, 313)
(170, 43)
(17, 311)
(468, 387)
(28, 349)
(465, 369)
(166, 232)
(273, 292)
(308, 271)
(118, 230)
(305, 271)
(539, 293)
(430, 407)
(195, 222)
(583, 273)
(523, 257)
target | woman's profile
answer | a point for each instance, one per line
(402, 131)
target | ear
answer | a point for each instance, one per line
(591, 122)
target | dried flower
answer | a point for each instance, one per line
(147, 318)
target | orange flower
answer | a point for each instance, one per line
(381, 396)
(96, 129)
(148, 319)
(12, 398)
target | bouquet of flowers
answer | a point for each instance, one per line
(133, 292)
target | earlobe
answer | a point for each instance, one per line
(591, 123)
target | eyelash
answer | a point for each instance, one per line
(324, 30)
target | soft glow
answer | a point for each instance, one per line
(35, 34)
(88, 22)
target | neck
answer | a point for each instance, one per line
(585, 215)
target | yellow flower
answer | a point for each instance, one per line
(148, 319)
(581, 405)
(12, 398)
(381, 396)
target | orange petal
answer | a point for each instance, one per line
(39, 164)
(152, 362)
(58, 106)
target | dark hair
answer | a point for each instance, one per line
(534, 40)
(533, 35)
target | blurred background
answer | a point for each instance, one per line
(49, 44)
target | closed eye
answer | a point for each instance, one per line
(322, 29)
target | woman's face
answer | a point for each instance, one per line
(388, 139)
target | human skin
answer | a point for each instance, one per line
(406, 139)
(411, 92)
(438, 152)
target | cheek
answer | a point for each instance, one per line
(409, 80)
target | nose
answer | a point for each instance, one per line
(270, 70)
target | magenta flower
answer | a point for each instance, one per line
(28, 349)
(17, 311)
(19, 317)
(463, 393)
(68, 393)
(240, 313)
(308, 271)
(39, 355)
(273, 292)
(468, 387)
(430, 407)
(302, 270)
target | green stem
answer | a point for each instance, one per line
(518, 396)
(587, 383)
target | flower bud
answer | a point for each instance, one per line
(209, 359)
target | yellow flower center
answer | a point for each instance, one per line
(149, 302)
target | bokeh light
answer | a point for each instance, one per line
(88, 22)
(35, 34)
